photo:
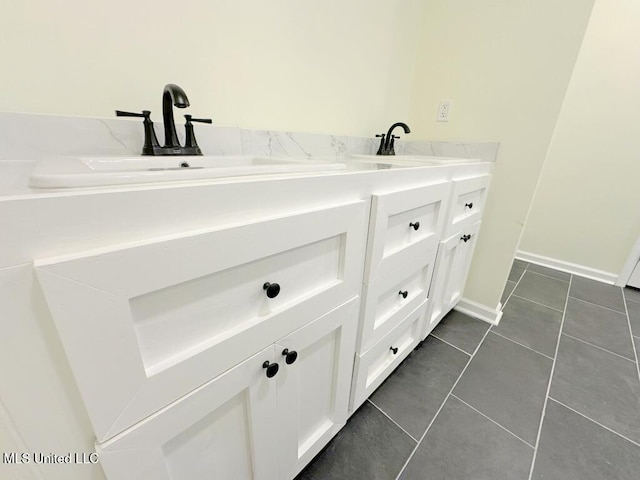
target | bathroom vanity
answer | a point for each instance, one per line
(228, 327)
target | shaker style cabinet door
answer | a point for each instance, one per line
(222, 430)
(450, 274)
(144, 323)
(314, 385)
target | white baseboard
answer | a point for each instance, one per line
(573, 268)
(479, 311)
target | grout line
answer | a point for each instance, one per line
(492, 421)
(522, 345)
(553, 367)
(538, 303)
(593, 421)
(633, 343)
(450, 344)
(596, 305)
(548, 276)
(442, 405)
(600, 348)
(396, 423)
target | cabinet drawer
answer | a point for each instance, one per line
(145, 323)
(402, 219)
(376, 364)
(399, 290)
(467, 202)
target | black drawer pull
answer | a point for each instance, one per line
(470, 204)
(403, 293)
(273, 289)
(415, 226)
(465, 238)
(394, 350)
(290, 356)
(272, 368)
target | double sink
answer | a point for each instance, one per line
(104, 171)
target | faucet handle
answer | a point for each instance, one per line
(144, 114)
(151, 146)
(380, 135)
(190, 119)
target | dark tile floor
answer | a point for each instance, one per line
(553, 392)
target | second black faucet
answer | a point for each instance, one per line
(387, 142)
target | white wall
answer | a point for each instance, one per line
(586, 209)
(322, 67)
(505, 66)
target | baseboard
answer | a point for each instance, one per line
(568, 267)
(479, 311)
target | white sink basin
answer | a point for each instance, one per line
(100, 171)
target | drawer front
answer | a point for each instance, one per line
(372, 368)
(450, 275)
(180, 310)
(467, 202)
(402, 288)
(402, 219)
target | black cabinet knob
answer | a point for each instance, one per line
(470, 204)
(465, 238)
(394, 350)
(290, 356)
(272, 368)
(415, 226)
(403, 293)
(272, 289)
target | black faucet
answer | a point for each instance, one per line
(172, 95)
(387, 142)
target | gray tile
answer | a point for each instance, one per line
(634, 317)
(462, 444)
(602, 327)
(416, 390)
(598, 384)
(530, 324)
(597, 292)
(370, 446)
(574, 448)
(636, 340)
(632, 294)
(508, 383)
(461, 330)
(544, 290)
(549, 272)
(508, 288)
(517, 269)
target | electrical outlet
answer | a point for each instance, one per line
(443, 111)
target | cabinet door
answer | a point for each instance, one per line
(222, 430)
(313, 390)
(180, 310)
(450, 274)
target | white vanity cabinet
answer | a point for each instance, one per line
(148, 322)
(173, 303)
(245, 424)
